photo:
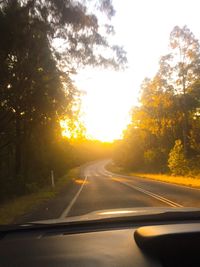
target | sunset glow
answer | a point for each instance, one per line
(107, 103)
(110, 95)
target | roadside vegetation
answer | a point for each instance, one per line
(13, 209)
(179, 180)
(193, 182)
(37, 91)
(164, 135)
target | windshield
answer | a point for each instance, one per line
(99, 108)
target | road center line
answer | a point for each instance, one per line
(156, 196)
(105, 172)
(67, 210)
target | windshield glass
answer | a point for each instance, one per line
(99, 107)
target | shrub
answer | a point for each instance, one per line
(177, 162)
(154, 160)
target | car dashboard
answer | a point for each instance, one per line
(102, 243)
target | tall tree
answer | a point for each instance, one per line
(169, 108)
(35, 86)
(184, 64)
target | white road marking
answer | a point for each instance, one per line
(105, 172)
(67, 210)
(156, 196)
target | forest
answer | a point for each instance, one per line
(164, 133)
(36, 89)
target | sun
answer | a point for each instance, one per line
(102, 124)
(106, 105)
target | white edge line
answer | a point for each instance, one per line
(67, 210)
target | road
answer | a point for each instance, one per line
(100, 189)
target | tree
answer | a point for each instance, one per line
(76, 27)
(35, 86)
(177, 162)
(183, 68)
(32, 96)
(168, 111)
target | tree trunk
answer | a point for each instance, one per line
(185, 121)
(18, 148)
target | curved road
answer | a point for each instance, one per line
(100, 189)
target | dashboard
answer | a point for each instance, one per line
(175, 244)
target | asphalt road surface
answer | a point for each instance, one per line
(100, 189)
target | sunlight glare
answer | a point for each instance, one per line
(144, 33)
(107, 104)
(64, 129)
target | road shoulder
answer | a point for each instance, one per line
(188, 182)
(47, 203)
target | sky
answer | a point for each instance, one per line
(143, 28)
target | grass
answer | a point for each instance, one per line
(179, 180)
(11, 210)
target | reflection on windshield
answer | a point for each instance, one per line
(116, 212)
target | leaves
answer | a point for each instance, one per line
(168, 111)
(177, 162)
(36, 90)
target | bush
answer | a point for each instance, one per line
(177, 162)
(154, 160)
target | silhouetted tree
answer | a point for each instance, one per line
(35, 86)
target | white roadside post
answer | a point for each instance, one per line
(52, 179)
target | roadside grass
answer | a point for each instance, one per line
(179, 180)
(14, 208)
(193, 182)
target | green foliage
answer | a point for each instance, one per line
(32, 96)
(177, 162)
(36, 90)
(129, 153)
(169, 110)
(154, 160)
(149, 156)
